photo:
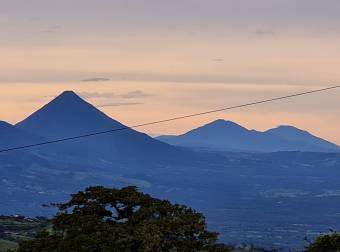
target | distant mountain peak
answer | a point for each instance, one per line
(68, 96)
(68, 102)
(4, 124)
(221, 123)
(67, 114)
(287, 129)
(12, 136)
(222, 134)
(68, 92)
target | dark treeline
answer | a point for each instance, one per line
(108, 219)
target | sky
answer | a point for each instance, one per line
(145, 60)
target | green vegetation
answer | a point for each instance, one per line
(103, 219)
(326, 243)
(14, 229)
(7, 245)
(124, 220)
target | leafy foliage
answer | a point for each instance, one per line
(104, 220)
(14, 229)
(326, 243)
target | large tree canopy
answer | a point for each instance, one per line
(103, 220)
(325, 243)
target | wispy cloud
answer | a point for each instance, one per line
(96, 79)
(33, 19)
(48, 31)
(135, 94)
(52, 29)
(271, 76)
(110, 95)
(218, 60)
(89, 95)
(117, 104)
(264, 32)
(55, 27)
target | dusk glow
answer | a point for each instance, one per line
(180, 56)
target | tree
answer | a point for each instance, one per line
(104, 219)
(325, 243)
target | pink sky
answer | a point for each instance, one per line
(169, 58)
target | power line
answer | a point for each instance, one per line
(167, 120)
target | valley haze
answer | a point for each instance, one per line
(249, 195)
(256, 84)
(226, 135)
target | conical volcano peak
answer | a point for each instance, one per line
(66, 115)
(68, 102)
(69, 93)
(68, 96)
(69, 116)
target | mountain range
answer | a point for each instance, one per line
(113, 158)
(243, 194)
(12, 136)
(224, 135)
(68, 115)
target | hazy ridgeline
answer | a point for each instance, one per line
(266, 199)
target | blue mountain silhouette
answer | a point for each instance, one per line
(12, 136)
(233, 189)
(69, 115)
(227, 135)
